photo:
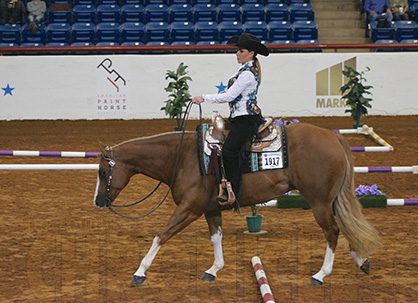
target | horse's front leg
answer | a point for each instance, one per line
(214, 219)
(182, 216)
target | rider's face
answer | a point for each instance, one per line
(243, 55)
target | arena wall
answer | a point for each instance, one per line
(132, 86)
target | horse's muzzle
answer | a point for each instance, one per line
(102, 201)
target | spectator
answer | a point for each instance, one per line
(36, 14)
(12, 11)
(399, 9)
(378, 9)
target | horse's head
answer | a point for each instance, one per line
(112, 177)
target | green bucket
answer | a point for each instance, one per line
(254, 223)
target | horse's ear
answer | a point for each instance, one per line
(102, 148)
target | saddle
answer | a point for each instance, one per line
(267, 138)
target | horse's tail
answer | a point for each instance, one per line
(361, 236)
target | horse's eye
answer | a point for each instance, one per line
(102, 173)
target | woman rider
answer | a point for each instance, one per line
(245, 115)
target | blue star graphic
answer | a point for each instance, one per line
(8, 90)
(221, 87)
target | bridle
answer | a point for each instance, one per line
(109, 198)
(112, 163)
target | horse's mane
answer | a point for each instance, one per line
(135, 140)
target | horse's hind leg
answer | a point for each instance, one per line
(214, 219)
(325, 218)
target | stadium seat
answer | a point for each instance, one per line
(305, 30)
(132, 32)
(206, 31)
(227, 29)
(158, 43)
(157, 32)
(377, 33)
(180, 13)
(10, 33)
(208, 43)
(82, 44)
(390, 41)
(276, 12)
(156, 13)
(181, 43)
(107, 43)
(59, 16)
(411, 41)
(228, 12)
(57, 44)
(132, 13)
(204, 12)
(405, 30)
(280, 30)
(308, 50)
(181, 31)
(256, 28)
(108, 32)
(83, 32)
(282, 42)
(29, 36)
(86, 2)
(132, 43)
(252, 12)
(301, 12)
(58, 32)
(84, 13)
(108, 13)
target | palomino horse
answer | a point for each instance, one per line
(320, 167)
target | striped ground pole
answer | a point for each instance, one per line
(377, 137)
(49, 166)
(402, 202)
(370, 148)
(386, 169)
(62, 154)
(262, 280)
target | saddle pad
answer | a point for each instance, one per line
(252, 161)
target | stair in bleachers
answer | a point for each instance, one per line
(340, 21)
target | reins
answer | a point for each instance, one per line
(112, 163)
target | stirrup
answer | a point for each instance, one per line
(226, 194)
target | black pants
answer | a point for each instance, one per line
(243, 129)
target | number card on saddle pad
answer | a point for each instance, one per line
(268, 150)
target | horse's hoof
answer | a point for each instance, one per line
(365, 267)
(136, 280)
(315, 281)
(207, 277)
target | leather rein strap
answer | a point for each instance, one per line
(112, 163)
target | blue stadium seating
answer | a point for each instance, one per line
(108, 13)
(108, 32)
(227, 29)
(282, 42)
(84, 13)
(181, 31)
(185, 43)
(180, 12)
(57, 44)
(10, 33)
(301, 12)
(390, 41)
(406, 30)
(276, 12)
(59, 16)
(309, 50)
(158, 43)
(132, 43)
(305, 30)
(381, 33)
(156, 13)
(204, 12)
(58, 32)
(132, 13)
(29, 36)
(157, 32)
(252, 12)
(256, 28)
(132, 32)
(83, 32)
(411, 41)
(206, 31)
(280, 30)
(228, 12)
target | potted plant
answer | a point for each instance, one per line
(179, 95)
(354, 92)
(254, 221)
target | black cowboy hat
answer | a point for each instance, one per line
(250, 42)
